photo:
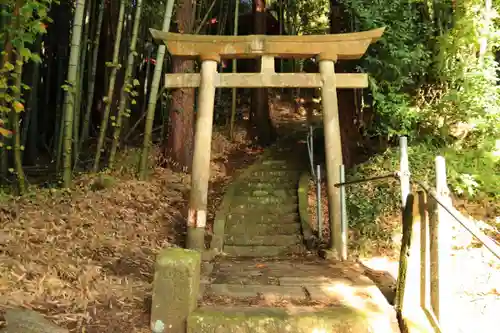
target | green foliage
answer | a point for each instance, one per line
(23, 22)
(304, 17)
(397, 63)
(433, 77)
(428, 78)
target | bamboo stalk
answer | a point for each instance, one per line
(69, 99)
(111, 88)
(81, 74)
(153, 93)
(127, 86)
(92, 74)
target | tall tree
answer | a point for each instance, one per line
(260, 125)
(181, 129)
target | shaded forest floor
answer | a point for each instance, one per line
(85, 257)
(475, 271)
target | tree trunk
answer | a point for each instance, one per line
(349, 131)
(260, 126)
(180, 134)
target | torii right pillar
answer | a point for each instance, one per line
(333, 146)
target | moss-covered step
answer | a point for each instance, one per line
(260, 209)
(264, 172)
(267, 292)
(263, 192)
(267, 200)
(264, 185)
(262, 229)
(251, 217)
(275, 181)
(338, 319)
(273, 239)
(262, 251)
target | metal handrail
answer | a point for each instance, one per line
(365, 180)
(310, 149)
(484, 239)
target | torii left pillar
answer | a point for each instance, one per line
(197, 214)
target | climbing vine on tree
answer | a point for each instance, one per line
(21, 24)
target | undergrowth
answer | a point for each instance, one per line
(374, 207)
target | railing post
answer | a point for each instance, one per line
(310, 149)
(404, 170)
(319, 212)
(424, 249)
(401, 301)
(343, 216)
(440, 246)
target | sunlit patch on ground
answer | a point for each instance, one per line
(475, 282)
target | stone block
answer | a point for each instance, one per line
(27, 321)
(175, 289)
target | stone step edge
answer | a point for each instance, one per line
(226, 319)
(236, 228)
(263, 240)
(264, 251)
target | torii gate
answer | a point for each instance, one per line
(211, 49)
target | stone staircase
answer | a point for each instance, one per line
(263, 219)
(266, 281)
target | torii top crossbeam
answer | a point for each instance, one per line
(344, 46)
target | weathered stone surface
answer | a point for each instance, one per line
(338, 319)
(271, 180)
(255, 184)
(275, 173)
(252, 278)
(268, 292)
(276, 163)
(262, 229)
(259, 209)
(262, 251)
(317, 280)
(291, 270)
(27, 321)
(175, 288)
(271, 218)
(276, 240)
(265, 200)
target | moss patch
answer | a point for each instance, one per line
(338, 319)
(175, 288)
(302, 192)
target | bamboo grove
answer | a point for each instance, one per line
(82, 79)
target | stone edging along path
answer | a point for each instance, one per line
(310, 238)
